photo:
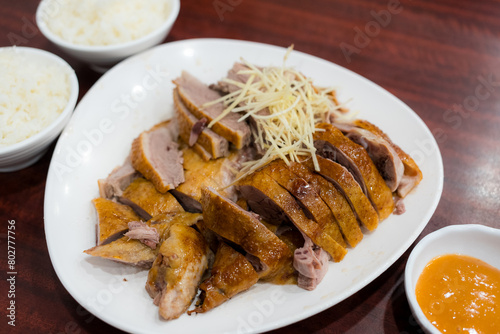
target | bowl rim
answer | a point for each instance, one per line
(44, 133)
(170, 20)
(416, 252)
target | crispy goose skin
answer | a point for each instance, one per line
(211, 142)
(195, 94)
(231, 274)
(127, 251)
(380, 151)
(113, 219)
(293, 239)
(230, 221)
(344, 181)
(204, 154)
(259, 187)
(144, 194)
(212, 239)
(288, 275)
(155, 155)
(173, 280)
(164, 221)
(132, 251)
(338, 204)
(199, 173)
(312, 203)
(412, 174)
(377, 191)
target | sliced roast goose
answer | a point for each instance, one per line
(195, 94)
(119, 179)
(331, 139)
(345, 183)
(125, 250)
(412, 174)
(199, 173)
(143, 197)
(380, 151)
(230, 221)
(335, 199)
(134, 252)
(311, 202)
(112, 219)
(177, 270)
(146, 234)
(259, 188)
(193, 131)
(231, 274)
(155, 154)
(234, 74)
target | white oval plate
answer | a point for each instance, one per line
(137, 94)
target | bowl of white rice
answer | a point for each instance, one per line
(38, 93)
(104, 32)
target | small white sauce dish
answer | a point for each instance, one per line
(26, 152)
(101, 58)
(478, 241)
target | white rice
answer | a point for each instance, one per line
(104, 22)
(33, 93)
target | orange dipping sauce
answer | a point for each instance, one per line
(460, 294)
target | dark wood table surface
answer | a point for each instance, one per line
(439, 57)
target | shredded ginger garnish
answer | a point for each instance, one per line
(285, 107)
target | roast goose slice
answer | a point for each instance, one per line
(112, 219)
(231, 222)
(127, 251)
(331, 139)
(307, 197)
(231, 274)
(155, 155)
(119, 179)
(195, 94)
(335, 199)
(177, 271)
(412, 174)
(210, 142)
(142, 194)
(259, 189)
(345, 183)
(380, 151)
(218, 174)
(134, 252)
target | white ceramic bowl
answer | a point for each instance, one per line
(478, 241)
(103, 57)
(28, 151)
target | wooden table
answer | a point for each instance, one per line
(441, 58)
